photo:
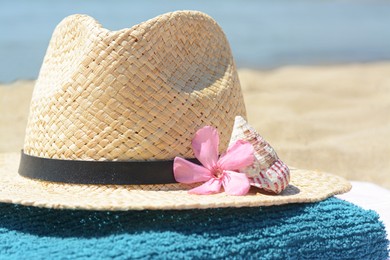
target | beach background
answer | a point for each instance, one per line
(315, 74)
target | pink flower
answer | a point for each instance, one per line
(215, 172)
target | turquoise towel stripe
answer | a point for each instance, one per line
(331, 229)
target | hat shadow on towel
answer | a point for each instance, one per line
(89, 224)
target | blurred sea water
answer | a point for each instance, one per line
(262, 33)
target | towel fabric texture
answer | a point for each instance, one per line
(370, 196)
(331, 229)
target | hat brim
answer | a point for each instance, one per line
(305, 186)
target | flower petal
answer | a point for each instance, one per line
(210, 187)
(187, 172)
(235, 183)
(237, 156)
(205, 146)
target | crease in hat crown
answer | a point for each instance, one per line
(134, 94)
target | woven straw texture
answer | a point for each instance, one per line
(138, 93)
(305, 186)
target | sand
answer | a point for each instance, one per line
(329, 118)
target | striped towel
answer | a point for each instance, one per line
(331, 229)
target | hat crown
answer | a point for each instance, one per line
(133, 94)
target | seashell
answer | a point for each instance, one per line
(267, 172)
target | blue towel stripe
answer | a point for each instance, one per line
(331, 229)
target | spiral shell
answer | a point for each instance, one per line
(267, 172)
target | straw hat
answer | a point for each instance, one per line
(112, 109)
